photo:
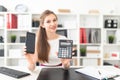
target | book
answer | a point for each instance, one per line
(64, 10)
(83, 38)
(93, 51)
(12, 21)
(23, 21)
(98, 72)
(94, 35)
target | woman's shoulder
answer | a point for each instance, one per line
(58, 38)
(62, 37)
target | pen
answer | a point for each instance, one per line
(99, 72)
(100, 76)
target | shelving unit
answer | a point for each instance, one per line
(111, 50)
(90, 39)
(14, 50)
(2, 38)
(86, 30)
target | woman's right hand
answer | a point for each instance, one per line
(30, 59)
(28, 56)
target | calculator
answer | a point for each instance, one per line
(65, 48)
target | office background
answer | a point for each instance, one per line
(79, 17)
(97, 24)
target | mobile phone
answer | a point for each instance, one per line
(65, 48)
(30, 42)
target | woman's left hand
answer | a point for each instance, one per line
(65, 63)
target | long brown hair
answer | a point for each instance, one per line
(42, 46)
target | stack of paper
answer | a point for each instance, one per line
(98, 73)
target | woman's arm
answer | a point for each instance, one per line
(31, 63)
(31, 58)
(66, 63)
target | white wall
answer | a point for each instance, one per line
(74, 5)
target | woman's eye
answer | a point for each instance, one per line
(54, 20)
(48, 22)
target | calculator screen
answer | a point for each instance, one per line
(65, 49)
(68, 43)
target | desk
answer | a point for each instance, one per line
(61, 74)
(53, 73)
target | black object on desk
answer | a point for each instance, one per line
(13, 73)
(30, 42)
(65, 48)
(61, 74)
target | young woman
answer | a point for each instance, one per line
(47, 42)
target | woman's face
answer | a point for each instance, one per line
(50, 23)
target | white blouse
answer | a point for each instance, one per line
(54, 45)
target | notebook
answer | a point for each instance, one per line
(98, 73)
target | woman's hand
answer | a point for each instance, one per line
(66, 63)
(30, 59)
(28, 56)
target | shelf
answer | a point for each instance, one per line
(15, 57)
(90, 57)
(96, 36)
(111, 59)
